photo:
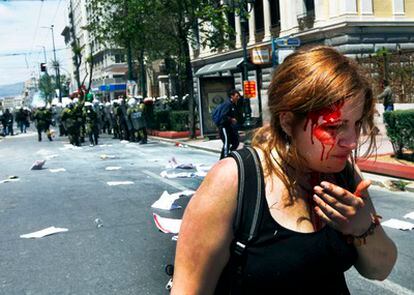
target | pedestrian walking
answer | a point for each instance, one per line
(292, 213)
(225, 118)
(92, 126)
(21, 120)
(387, 97)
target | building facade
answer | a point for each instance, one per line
(354, 27)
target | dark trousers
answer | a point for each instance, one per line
(230, 139)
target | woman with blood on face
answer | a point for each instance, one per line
(319, 205)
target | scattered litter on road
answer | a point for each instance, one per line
(104, 145)
(153, 160)
(166, 201)
(166, 174)
(173, 164)
(167, 225)
(202, 170)
(98, 222)
(175, 238)
(409, 215)
(11, 178)
(112, 183)
(38, 165)
(44, 232)
(124, 141)
(105, 157)
(57, 170)
(70, 147)
(112, 168)
(43, 152)
(398, 224)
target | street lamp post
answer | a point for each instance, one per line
(55, 63)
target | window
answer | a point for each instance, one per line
(258, 15)
(275, 12)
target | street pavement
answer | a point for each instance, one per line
(127, 254)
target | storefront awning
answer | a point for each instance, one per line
(226, 65)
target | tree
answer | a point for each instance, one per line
(46, 88)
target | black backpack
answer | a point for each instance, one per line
(249, 212)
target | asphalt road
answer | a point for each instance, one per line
(127, 255)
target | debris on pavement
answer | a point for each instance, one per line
(173, 164)
(112, 168)
(166, 201)
(105, 157)
(124, 141)
(44, 232)
(113, 183)
(398, 224)
(57, 170)
(69, 146)
(11, 178)
(202, 170)
(174, 238)
(98, 222)
(38, 165)
(166, 174)
(409, 215)
(51, 156)
(167, 225)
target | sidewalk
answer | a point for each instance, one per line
(382, 174)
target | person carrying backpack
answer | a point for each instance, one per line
(225, 117)
(292, 213)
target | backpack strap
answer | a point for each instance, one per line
(249, 212)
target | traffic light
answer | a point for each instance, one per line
(43, 67)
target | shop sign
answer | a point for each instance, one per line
(249, 89)
(260, 56)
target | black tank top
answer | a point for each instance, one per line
(283, 261)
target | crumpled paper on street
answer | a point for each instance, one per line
(166, 174)
(113, 183)
(173, 164)
(69, 146)
(38, 165)
(112, 168)
(167, 225)
(44, 232)
(11, 178)
(409, 215)
(124, 141)
(105, 157)
(166, 201)
(202, 170)
(398, 224)
(57, 170)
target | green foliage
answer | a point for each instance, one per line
(161, 120)
(46, 87)
(400, 130)
(179, 120)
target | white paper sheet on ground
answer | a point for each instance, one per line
(165, 174)
(44, 232)
(104, 145)
(409, 215)
(124, 141)
(112, 183)
(166, 201)
(112, 168)
(172, 163)
(398, 224)
(57, 170)
(70, 147)
(202, 169)
(104, 157)
(10, 180)
(38, 164)
(167, 225)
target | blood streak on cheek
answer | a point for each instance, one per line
(320, 119)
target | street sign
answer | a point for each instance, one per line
(286, 42)
(249, 89)
(260, 56)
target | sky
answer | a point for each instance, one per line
(22, 38)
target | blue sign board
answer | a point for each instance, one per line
(112, 87)
(286, 42)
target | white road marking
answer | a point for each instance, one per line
(391, 286)
(169, 182)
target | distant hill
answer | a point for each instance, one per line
(11, 89)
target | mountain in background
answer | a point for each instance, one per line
(11, 89)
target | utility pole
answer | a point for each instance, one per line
(56, 66)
